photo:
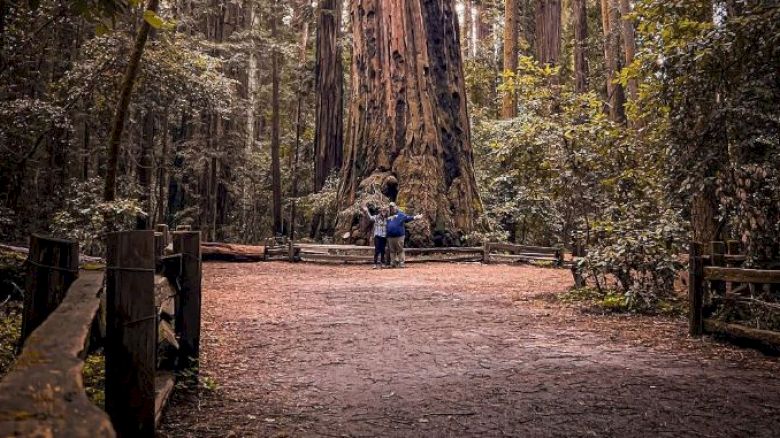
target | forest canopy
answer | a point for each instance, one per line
(618, 129)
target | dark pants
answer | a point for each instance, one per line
(380, 243)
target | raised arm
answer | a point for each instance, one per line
(371, 217)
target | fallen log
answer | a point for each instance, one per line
(230, 252)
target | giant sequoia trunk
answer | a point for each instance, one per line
(329, 130)
(409, 138)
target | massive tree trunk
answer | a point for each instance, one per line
(509, 100)
(329, 129)
(548, 31)
(409, 137)
(615, 95)
(580, 19)
(276, 170)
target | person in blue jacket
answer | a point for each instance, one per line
(396, 232)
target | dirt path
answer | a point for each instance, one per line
(454, 350)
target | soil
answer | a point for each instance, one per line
(454, 350)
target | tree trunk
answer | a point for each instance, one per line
(467, 34)
(615, 94)
(329, 129)
(162, 174)
(145, 164)
(548, 31)
(409, 136)
(580, 19)
(276, 171)
(251, 93)
(298, 124)
(629, 44)
(509, 99)
(120, 113)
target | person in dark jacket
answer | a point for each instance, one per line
(396, 233)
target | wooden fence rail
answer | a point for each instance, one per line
(716, 280)
(488, 252)
(152, 316)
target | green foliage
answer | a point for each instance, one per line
(84, 216)
(10, 330)
(94, 374)
(710, 99)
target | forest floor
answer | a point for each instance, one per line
(454, 350)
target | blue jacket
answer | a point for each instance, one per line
(396, 224)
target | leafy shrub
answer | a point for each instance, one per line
(84, 217)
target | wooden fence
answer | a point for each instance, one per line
(487, 253)
(150, 328)
(717, 282)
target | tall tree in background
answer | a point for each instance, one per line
(509, 102)
(580, 21)
(276, 169)
(409, 135)
(629, 44)
(329, 130)
(467, 34)
(125, 92)
(610, 17)
(548, 31)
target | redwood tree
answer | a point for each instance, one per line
(509, 102)
(409, 137)
(580, 19)
(329, 130)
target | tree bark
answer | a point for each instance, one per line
(329, 128)
(120, 113)
(615, 93)
(468, 29)
(298, 123)
(409, 135)
(548, 31)
(145, 164)
(629, 44)
(509, 98)
(276, 171)
(580, 19)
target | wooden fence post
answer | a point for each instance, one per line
(52, 265)
(717, 258)
(187, 243)
(163, 228)
(695, 289)
(131, 333)
(485, 252)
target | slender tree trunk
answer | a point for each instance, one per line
(629, 44)
(615, 96)
(329, 128)
(298, 125)
(85, 161)
(468, 29)
(548, 31)
(120, 113)
(409, 130)
(162, 173)
(251, 93)
(509, 100)
(580, 19)
(276, 171)
(145, 164)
